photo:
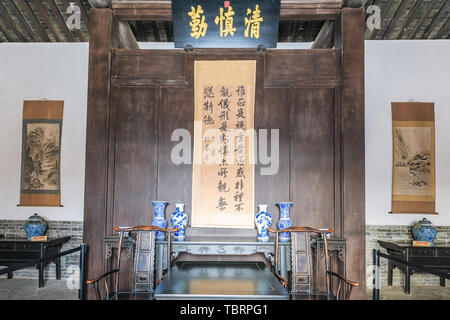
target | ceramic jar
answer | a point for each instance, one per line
(159, 219)
(35, 226)
(263, 221)
(423, 230)
(179, 220)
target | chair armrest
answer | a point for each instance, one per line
(352, 283)
(282, 280)
(92, 281)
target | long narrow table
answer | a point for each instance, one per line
(15, 250)
(436, 257)
(220, 280)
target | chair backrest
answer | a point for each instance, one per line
(301, 258)
(144, 256)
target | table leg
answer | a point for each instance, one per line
(442, 282)
(41, 268)
(407, 275)
(10, 275)
(390, 273)
(58, 265)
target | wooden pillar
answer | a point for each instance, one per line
(95, 208)
(349, 38)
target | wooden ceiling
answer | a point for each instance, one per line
(44, 21)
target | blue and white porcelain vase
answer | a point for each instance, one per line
(423, 230)
(263, 221)
(159, 219)
(285, 220)
(179, 220)
(35, 226)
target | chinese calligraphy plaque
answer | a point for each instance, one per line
(223, 172)
(225, 24)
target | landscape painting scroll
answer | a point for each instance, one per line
(414, 181)
(41, 153)
(223, 168)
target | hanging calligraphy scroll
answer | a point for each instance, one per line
(413, 187)
(223, 169)
(225, 24)
(41, 145)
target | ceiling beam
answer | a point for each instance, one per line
(325, 38)
(384, 12)
(26, 7)
(80, 35)
(20, 18)
(61, 20)
(8, 22)
(445, 27)
(408, 18)
(51, 26)
(84, 13)
(421, 21)
(100, 3)
(437, 17)
(125, 35)
(6, 33)
(388, 30)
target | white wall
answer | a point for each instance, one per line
(32, 72)
(397, 71)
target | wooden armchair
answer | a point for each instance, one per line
(301, 265)
(143, 266)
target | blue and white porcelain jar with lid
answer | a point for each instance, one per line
(423, 230)
(35, 226)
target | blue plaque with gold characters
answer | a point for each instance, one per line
(225, 24)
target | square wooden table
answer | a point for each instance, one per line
(214, 280)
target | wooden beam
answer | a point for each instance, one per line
(125, 35)
(51, 26)
(19, 16)
(445, 27)
(100, 3)
(325, 38)
(384, 12)
(84, 14)
(6, 33)
(388, 30)
(407, 20)
(26, 7)
(354, 3)
(4, 14)
(162, 10)
(437, 17)
(80, 35)
(422, 19)
(61, 20)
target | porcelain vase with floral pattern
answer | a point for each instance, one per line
(285, 220)
(263, 221)
(179, 220)
(159, 219)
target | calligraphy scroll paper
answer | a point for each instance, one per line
(41, 145)
(413, 187)
(223, 169)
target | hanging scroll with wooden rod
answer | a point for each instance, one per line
(41, 153)
(223, 169)
(414, 180)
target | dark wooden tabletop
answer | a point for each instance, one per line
(220, 280)
(49, 241)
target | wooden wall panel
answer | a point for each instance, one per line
(136, 153)
(312, 157)
(274, 113)
(314, 97)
